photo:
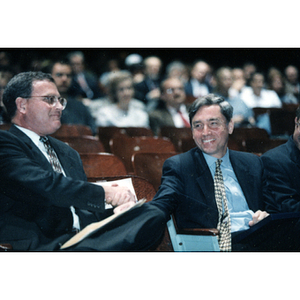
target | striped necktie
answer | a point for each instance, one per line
(51, 154)
(224, 217)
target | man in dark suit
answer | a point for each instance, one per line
(282, 165)
(84, 83)
(187, 188)
(76, 112)
(40, 208)
(172, 110)
(198, 85)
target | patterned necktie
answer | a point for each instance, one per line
(224, 218)
(51, 154)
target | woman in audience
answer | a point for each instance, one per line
(124, 111)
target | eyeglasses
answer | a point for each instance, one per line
(52, 100)
(212, 124)
(172, 90)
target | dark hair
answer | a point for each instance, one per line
(208, 100)
(298, 113)
(21, 86)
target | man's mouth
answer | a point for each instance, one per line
(208, 141)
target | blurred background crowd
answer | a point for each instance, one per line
(154, 87)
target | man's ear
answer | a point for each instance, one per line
(21, 104)
(230, 126)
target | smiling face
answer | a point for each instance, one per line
(36, 114)
(211, 131)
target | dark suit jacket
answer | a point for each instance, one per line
(159, 118)
(77, 113)
(187, 188)
(189, 89)
(282, 167)
(34, 200)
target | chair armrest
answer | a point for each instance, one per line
(195, 231)
(5, 247)
(198, 231)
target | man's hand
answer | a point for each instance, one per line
(123, 206)
(258, 216)
(117, 195)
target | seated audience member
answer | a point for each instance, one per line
(283, 172)
(238, 82)
(258, 96)
(292, 81)
(3, 114)
(198, 85)
(75, 112)
(242, 114)
(276, 83)
(249, 69)
(192, 186)
(172, 110)
(84, 83)
(125, 111)
(134, 64)
(148, 90)
(44, 193)
(179, 70)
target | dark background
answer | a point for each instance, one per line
(96, 58)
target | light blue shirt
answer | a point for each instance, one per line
(239, 211)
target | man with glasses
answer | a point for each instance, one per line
(171, 110)
(282, 165)
(44, 194)
(191, 182)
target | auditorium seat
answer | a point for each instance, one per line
(182, 138)
(106, 133)
(67, 130)
(5, 126)
(102, 164)
(124, 147)
(149, 165)
(83, 144)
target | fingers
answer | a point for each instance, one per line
(117, 195)
(258, 216)
(123, 207)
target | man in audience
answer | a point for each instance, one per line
(172, 110)
(75, 112)
(283, 172)
(44, 194)
(242, 114)
(148, 90)
(198, 85)
(84, 83)
(258, 96)
(292, 81)
(191, 189)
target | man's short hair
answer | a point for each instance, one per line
(21, 86)
(208, 100)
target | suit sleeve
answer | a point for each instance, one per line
(280, 193)
(24, 179)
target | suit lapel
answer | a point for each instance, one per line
(33, 149)
(205, 180)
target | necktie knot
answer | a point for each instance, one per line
(218, 163)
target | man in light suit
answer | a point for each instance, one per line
(282, 165)
(187, 188)
(40, 209)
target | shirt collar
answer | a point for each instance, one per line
(210, 160)
(32, 135)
